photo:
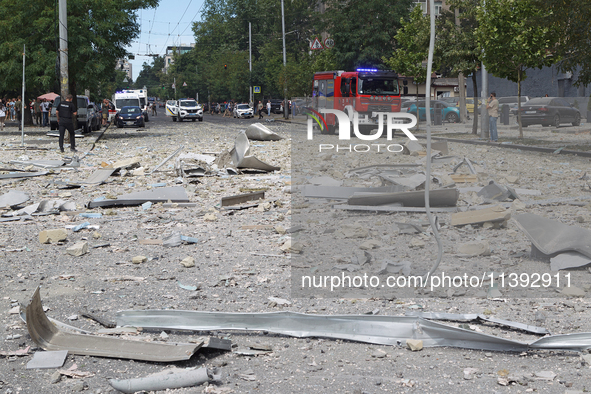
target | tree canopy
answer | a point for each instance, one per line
(98, 33)
(515, 36)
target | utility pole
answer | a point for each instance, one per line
(63, 30)
(461, 80)
(250, 64)
(23, 102)
(285, 105)
(484, 94)
(483, 111)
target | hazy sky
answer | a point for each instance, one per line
(169, 24)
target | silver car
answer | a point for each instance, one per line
(243, 111)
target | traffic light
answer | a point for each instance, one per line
(225, 66)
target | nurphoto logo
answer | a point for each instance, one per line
(391, 121)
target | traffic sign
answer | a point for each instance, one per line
(329, 43)
(316, 44)
(257, 89)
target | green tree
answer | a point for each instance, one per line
(571, 19)
(456, 46)
(98, 33)
(515, 36)
(363, 29)
(412, 49)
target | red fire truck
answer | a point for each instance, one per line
(365, 91)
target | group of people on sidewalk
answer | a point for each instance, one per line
(41, 108)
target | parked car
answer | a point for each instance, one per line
(97, 120)
(130, 116)
(276, 106)
(549, 111)
(511, 101)
(243, 111)
(450, 113)
(84, 117)
(406, 105)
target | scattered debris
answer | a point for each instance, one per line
(169, 379)
(43, 360)
(550, 238)
(259, 132)
(437, 198)
(241, 158)
(376, 329)
(414, 344)
(496, 215)
(78, 249)
(165, 194)
(48, 336)
(53, 236)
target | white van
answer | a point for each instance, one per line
(144, 104)
(125, 99)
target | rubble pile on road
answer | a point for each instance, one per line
(165, 222)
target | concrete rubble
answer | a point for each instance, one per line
(223, 233)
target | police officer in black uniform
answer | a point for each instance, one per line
(65, 114)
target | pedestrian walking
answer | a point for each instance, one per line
(105, 112)
(269, 108)
(18, 110)
(260, 109)
(493, 112)
(37, 112)
(2, 114)
(45, 112)
(65, 114)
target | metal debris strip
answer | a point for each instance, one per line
(259, 132)
(467, 317)
(167, 159)
(437, 198)
(375, 329)
(468, 163)
(342, 192)
(170, 379)
(552, 237)
(368, 171)
(241, 157)
(49, 337)
(165, 194)
(22, 174)
(390, 208)
(241, 198)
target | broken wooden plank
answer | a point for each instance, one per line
(494, 214)
(464, 178)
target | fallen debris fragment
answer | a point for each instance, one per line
(78, 249)
(437, 198)
(165, 194)
(551, 237)
(376, 329)
(241, 159)
(47, 335)
(169, 379)
(43, 360)
(13, 198)
(241, 198)
(496, 214)
(260, 132)
(52, 236)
